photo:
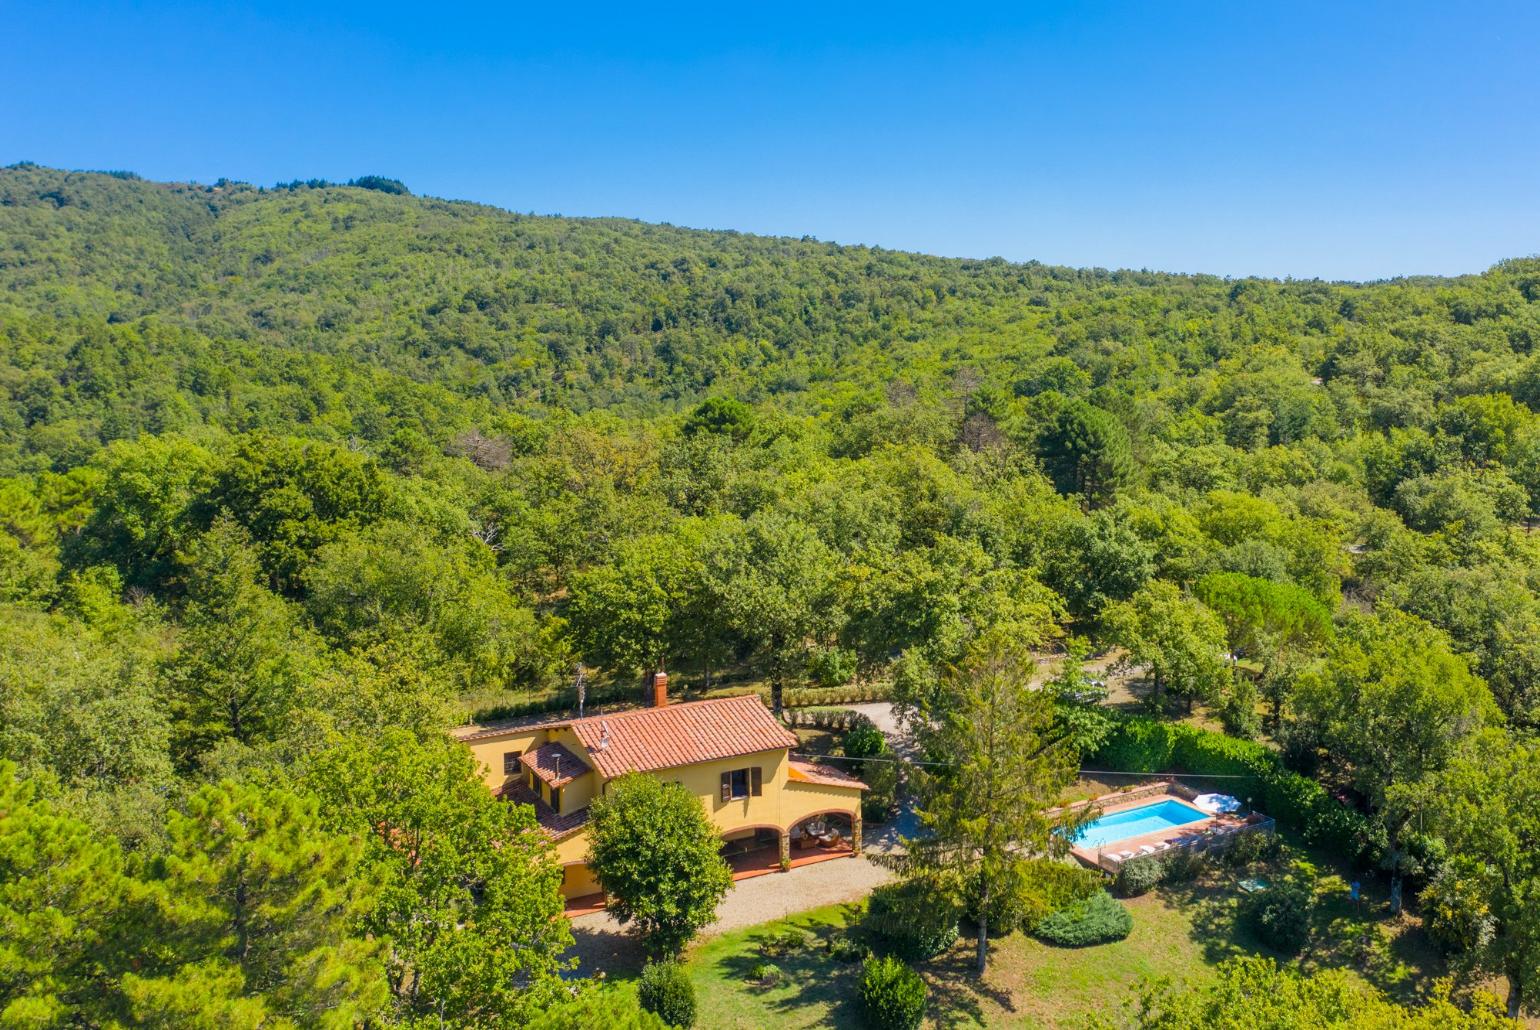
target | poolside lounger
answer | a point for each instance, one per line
(1147, 849)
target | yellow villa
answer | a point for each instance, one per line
(771, 809)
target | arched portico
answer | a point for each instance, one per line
(835, 830)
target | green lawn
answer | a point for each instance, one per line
(1180, 932)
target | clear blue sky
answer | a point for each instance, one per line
(1345, 140)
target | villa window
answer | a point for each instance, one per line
(742, 783)
(556, 800)
(510, 762)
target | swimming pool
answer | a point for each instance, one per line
(1136, 822)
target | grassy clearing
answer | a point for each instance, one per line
(1180, 931)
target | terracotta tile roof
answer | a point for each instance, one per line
(662, 738)
(554, 764)
(824, 775)
(555, 826)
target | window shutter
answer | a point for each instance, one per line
(758, 785)
(727, 786)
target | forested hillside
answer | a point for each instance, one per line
(295, 478)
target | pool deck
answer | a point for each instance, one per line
(1110, 856)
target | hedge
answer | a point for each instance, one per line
(856, 693)
(1298, 803)
(835, 720)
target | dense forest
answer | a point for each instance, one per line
(292, 479)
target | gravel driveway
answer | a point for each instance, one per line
(604, 944)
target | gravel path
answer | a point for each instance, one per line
(603, 944)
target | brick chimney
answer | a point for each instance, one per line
(657, 689)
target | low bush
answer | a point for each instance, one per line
(766, 974)
(915, 918)
(1138, 876)
(1031, 890)
(665, 988)
(844, 948)
(1183, 865)
(1099, 919)
(864, 740)
(1280, 915)
(1250, 848)
(786, 941)
(892, 994)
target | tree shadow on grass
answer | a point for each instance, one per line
(1390, 952)
(810, 976)
(1212, 908)
(956, 991)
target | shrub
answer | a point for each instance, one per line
(1249, 848)
(665, 988)
(864, 740)
(915, 918)
(1183, 865)
(892, 994)
(1454, 915)
(1099, 919)
(766, 974)
(844, 948)
(1031, 890)
(1137, 876)
(1238, 714)
(786, 941)
(1280, 915)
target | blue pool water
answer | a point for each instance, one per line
(1151, 818)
